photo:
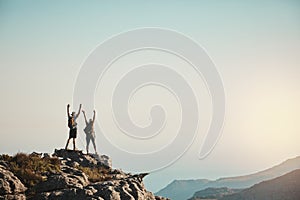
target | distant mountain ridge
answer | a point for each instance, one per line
(285, 187)
(251, 179)
(184, 189)
(214, 193)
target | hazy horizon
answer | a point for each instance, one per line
(255, 47)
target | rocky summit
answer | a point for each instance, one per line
(68, 175)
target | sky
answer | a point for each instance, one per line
(255, 46)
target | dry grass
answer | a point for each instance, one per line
(96, 174)
(30, 168)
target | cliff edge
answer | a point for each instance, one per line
(68, 175)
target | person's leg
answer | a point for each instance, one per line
(74, 135)
(94, 144)
(70, 136)
(74, 147)
(88, 139)
(67, 144)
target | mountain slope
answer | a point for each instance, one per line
(285, 187)
(249, 180)
(184, 189)
(181, 189)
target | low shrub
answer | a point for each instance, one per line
(96, 174)
(31, 168)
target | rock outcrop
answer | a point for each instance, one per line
(10, 186)
(79, 176)
(73, 158)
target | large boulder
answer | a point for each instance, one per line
(67, 178)
(9, 183)
(75, 158)
(130, 188)
(65, 194)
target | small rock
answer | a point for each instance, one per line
(36, 154)
(3, 164)
(46, 155)
(103, 160)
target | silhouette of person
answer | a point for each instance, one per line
(90, 131)
(72, 126)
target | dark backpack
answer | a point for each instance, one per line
(88, 128)
(70, 122)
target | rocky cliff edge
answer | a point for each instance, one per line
(68, 175)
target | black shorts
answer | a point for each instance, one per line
(73, 133)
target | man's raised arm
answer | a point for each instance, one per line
(68, 110)
(94, 117)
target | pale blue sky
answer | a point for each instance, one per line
(254, 44)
